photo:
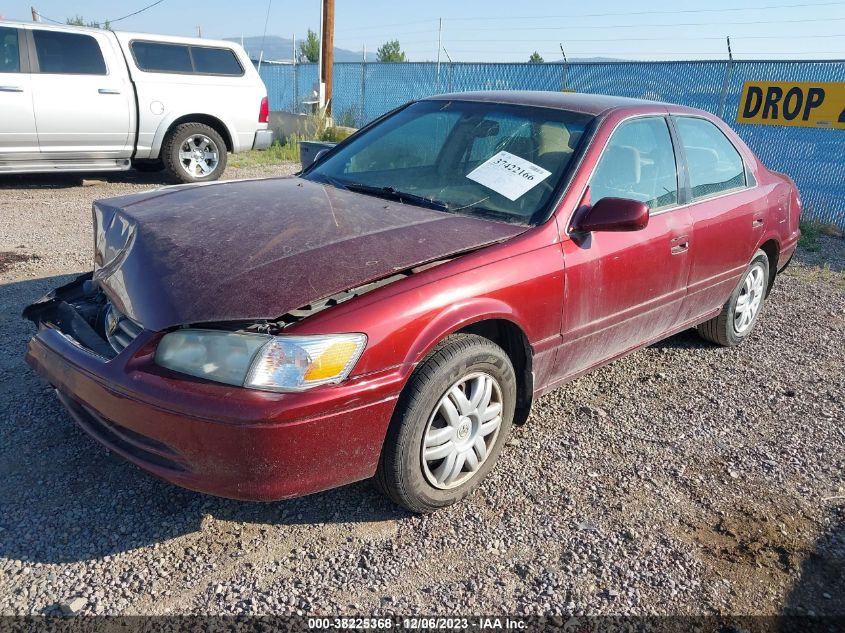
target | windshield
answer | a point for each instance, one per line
(500, 161)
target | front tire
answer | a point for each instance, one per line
(450, 424)
(194, 152)
(740, 314)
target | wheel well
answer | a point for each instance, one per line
(772, 251)
(512, 339)
(206, 119)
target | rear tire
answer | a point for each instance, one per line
(194, 152)
(740, 314)
(433, 458)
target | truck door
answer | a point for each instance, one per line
(18, 137)
(82, 96)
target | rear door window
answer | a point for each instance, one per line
(10, 52)
(68, 53)
(161, 57)
(714, 164)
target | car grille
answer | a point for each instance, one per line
(120, 329)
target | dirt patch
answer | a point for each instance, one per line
(10, 258)
(753, 549)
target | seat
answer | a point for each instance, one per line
(618, 173)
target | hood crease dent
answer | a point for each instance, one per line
(255, 250)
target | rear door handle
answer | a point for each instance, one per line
(108, 91)
(757, 222)
(11, 89)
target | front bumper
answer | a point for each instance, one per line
(263, 139)
(223, 440)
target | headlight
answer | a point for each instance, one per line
(261, 361)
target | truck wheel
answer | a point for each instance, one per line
(739, 315)
(194, 152)
(450, 424)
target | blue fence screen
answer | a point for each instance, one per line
(814, 158)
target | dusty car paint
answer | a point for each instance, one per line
(206, 254)
(570, 301)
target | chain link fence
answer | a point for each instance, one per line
(814, 158)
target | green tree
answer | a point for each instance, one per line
(535, 58)
(79, 21)
(391, 52)
(310, 48)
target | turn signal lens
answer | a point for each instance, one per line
(295, 363)
(332, 361)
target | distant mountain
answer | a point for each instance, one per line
(281, 49)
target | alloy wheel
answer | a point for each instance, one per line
(199, 155)
(462, 431)
(750, 298)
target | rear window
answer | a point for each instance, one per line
(161, 57)
(68, 53)
(215, 61)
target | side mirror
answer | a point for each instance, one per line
(615, 214)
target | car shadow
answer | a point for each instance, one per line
(64, 498)
(80, 179)
(688, 339)
(820, 255)
(819, 590)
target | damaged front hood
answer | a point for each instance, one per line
(259, 249)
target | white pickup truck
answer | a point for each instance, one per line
(84, 99)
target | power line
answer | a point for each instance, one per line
(570, 16)
(654, 12)
(149, 6)
(129, 15)
(552, 53)
(640, 26)
(642, 39)
(264, 34)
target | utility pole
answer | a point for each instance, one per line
(199, 30)
(36, 17)
(327, 57)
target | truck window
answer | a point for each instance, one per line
(68, 53)
(159, 57)
(10, 54)
(216, 61)
(162, 58)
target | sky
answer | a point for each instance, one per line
(499, 30)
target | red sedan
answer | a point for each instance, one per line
(395, 308)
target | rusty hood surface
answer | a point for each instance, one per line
(258, 249)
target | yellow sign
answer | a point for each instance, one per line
(804, 104)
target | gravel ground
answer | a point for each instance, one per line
(683, 479)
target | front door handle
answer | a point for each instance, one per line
(680, 244)
(11, 89)
(108, 91)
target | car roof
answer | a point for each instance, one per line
(129, 35)
(585, 103)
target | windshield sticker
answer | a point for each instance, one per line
(509, 175)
